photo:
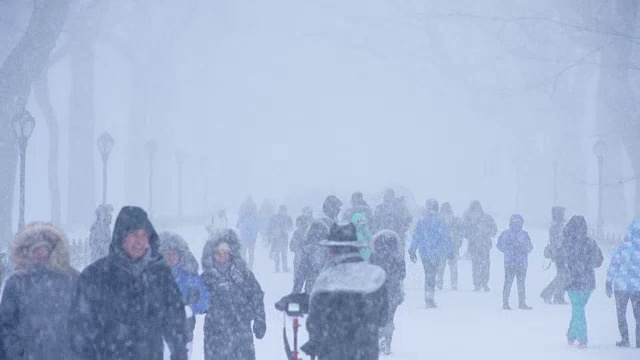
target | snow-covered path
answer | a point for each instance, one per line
(466, 324)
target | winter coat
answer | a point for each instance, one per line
(278, 231)
(392, 216)
(479, 229)
(348, 304)
(456, 230)
(235, 301)
(123, 309)
(297, 239)
(386, 255)
(313, 256)
(516, 246)
(431, 238)
(624, 270)
(194, 294)
(99, 240)
(363, 232)
(34, 311)
(248, 224)
(580, 255)
(362, 208)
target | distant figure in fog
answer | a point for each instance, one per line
(100, 235)
(361, 216)
(393, 214)
(313, 257)
(248, 228)
(454, 225)
(554, 292)
(479, 230)
(278, 235)
(516, 246)
(236, 301)
(297, 241)
(623, 281)
(580, 255)
(36, 301)
(266, 212)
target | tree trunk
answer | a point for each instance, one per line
(23, 65)
(42, 94)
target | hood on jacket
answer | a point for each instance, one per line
(557, 213)
(39, 232)
(576, 229)
(228, 236)
(386, 242)
(173, 241)
(475, 209)
(130, 219)
(516, 222)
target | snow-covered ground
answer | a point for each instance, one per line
(466, 324)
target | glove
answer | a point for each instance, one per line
(259, 328)
(413, 257)
(608, 289)
(188, 311)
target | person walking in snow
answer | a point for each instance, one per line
(100, 234)
(623, 281)
(392, 214)
(361, 216)
(35, 305)
(479, 230)
(516, 246)
(248, 228)
(386, 254)
(580, 255)
(348, 303)
(278, 231)
(184, 268)
(127, 303)
(302, 225)
(554, 292)
(313, 257)
(236, 301)
(454, 225)
(432, 239)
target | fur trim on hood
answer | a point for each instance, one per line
(38, 232)
(173, 241)
(230, 237)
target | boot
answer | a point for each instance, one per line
(430, 304)
(486, 288)
(384, 346)
(506, 306)
(623, 343)
(524, 307)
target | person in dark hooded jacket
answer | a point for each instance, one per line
(100, 234)
(516, 246)
(348, 304)
(313, 257)
(580, 255)
(454, 225)
(479, 230)
(248, 228)
(554, 292)
(127, 303)
(236, 301)
(184, 268)
(278, 231)
(392, 214)
(386, 254)
(34, 311)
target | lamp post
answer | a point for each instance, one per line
(105, 145)
(599, 150)
(151, 147)
(23, 125)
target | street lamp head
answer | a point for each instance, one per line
(23, 125)
(105, 144)
(600, 149)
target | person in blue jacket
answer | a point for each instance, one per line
(432, 239)
(184, 268)
(515, 244)
(623, 281)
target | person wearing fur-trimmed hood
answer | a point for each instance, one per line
(348, 303)
(184, 268)
(127, 303)
(35, 305)
(236, 301)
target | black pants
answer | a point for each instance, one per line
(622, 300)
(453, 267)
(280, 255)
(519, 273)
(556, 289)
(430, 274)
(481, 266)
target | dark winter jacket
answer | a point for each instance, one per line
(297, 239)
(248, 222)
(555, 233)
(431, 237)
(580, 255)
(313, 256)
(394, 216)
(456, 230)
(236, 301)
(386, 255)
(122, 308)
(479, 229)
(194, 294)
(348, 304)
(516, 245)
(34, 311)
(278, 232)
(100, 234)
